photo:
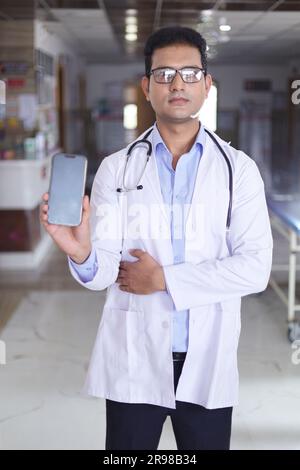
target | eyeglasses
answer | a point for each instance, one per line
(167, 74)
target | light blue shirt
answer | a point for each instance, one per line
(177, 187)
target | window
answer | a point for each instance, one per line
(130, 116)
(208, 112)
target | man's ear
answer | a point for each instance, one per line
(145, 86)
(208, 83)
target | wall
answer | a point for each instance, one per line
(75, 67)
(99, 75)
(231, 78)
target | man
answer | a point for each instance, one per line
(178, 244)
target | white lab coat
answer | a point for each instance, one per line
(132, 357)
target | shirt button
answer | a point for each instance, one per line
(177, 258)
(165, 324)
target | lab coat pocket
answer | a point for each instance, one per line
(122, 338)
(136, 344)
(231, 318)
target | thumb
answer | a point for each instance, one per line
(136, 253)
(86, 207)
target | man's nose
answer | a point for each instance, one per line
(177, 82)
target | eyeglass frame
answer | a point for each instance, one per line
(179, 71)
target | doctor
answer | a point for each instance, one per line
(174, 268)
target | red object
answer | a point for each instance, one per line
(15, 82)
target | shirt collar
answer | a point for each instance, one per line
(157, 139)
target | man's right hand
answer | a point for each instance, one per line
(74, 241)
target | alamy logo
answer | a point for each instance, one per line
(296, 354)
(296, 94)
(2, 353)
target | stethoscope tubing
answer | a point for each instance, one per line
(149, 153)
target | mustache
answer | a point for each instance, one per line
(176, 97)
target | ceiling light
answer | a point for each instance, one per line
(131, 28)
(131, 12)
(131, 20)
(225, 27)
(131, 37)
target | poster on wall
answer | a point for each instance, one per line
(45, 89)
(27, 110)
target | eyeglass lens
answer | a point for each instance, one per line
(188, 75)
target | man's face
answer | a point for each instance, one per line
(163, 95)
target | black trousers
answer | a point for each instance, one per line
(138, 426)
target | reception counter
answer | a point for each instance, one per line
(23, 241)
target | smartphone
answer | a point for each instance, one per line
(66, 191)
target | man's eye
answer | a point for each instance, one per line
(168, 73)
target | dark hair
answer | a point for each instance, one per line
(172, 35)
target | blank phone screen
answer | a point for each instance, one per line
(66, 191)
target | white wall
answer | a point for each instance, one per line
(98, 75)
(74, 66)
(55, 46)
(231, 81)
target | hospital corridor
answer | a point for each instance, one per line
(149, 224)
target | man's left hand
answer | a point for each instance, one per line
(144, 276)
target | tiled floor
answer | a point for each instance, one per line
(49, 324)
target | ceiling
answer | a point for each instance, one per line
(262, 32)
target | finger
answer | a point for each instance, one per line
(121, 276)
(86, 203)
(46, 224)
(44, 220)
(124, 289)
(45, 197)
(124, 284)
(41, 211)
(44, 208)
(44, 213)
(137, 253)
(123, 265)
(85, 208)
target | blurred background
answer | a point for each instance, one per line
(70, 75)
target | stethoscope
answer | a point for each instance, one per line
(149, 153)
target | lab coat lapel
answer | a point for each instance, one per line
(202, 171)
(153, 182)
(159, 243)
